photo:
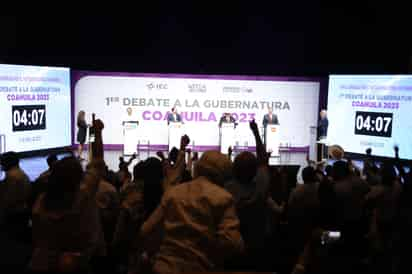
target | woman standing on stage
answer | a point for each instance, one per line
(82, 131)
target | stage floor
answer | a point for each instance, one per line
(34, 166)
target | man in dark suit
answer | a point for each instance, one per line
(227, 118)
(270, 118)
(174, 117)
(323, 124)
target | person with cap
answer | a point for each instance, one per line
(198, 220)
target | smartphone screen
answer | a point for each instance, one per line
(334, 234)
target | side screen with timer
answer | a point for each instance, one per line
(371, 111)
(377, 124)
(35, 108)
(29, 117)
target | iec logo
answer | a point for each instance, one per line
(156, 86)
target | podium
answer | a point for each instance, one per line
(323, 144)
(2, 143)
(272, 137)
(227, 137)
(175, 134)
(131, 137)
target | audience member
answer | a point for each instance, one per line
(303, 205)
(41, 183)
(66, 227)
(16, 188)
(198, 220)
(250, 190)
(107, 198)
(178, 215)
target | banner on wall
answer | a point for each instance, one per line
(201, 101)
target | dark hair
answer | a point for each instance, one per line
(64, 183)
(388, 174)
(309, 175)
(153, 189)
(340, 170)
(99, 167)
(122, 164)
(51, 159)
(328, 170)
(245, 167)
(79, 117)
(174, 152)
(9, 160)
(138, 171)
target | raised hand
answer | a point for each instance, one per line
(160, 155)
(396, 148)
(195, 156)
(253, 126)
(184, 141)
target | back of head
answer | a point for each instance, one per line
(328, 170)
(51, 159)
(152, 170)
(173, 154)
(340, 170)
(138, 171)
(152, 178)
(64, 183)
(215, 166)
(98, 167)
(388, 174)
(245, 167)
(336, 152)
(309, 175)
(9, 160)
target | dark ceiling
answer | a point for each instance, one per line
(294, 39)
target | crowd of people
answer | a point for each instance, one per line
(176, 213)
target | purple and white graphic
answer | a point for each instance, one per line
(35, 107)
(201, 101)
(371, 112)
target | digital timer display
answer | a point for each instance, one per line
(373, 123)
(28, 117)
